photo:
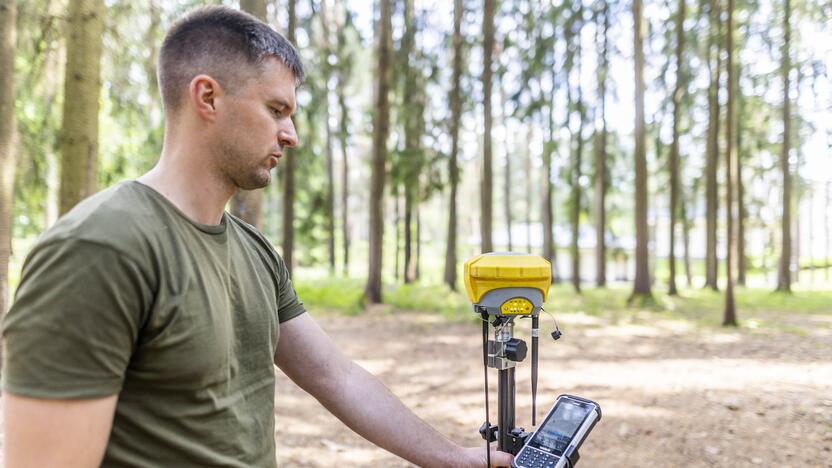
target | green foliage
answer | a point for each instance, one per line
(453, 305)
(762, 309)
(332, 294)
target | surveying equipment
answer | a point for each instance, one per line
(555, 444)
(505, 286)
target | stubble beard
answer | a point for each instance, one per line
(246, 172)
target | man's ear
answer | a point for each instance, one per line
(203, 92)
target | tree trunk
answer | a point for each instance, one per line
(549, 189)
(487, 173)
(641, 286)
(345, 180)
(413, 129)
(453, 169)
(741, 259)
(796, 239)
(686, 241)
(810, 235)
(674, 148)
(248, 204)
(289, 172)
(8, 141)
(381, 122)
(82, 84)
(576, 165)
(730, 313)
(418, 262)
(344, 69)
(601, 160)
(507, 180)
(397, 222)
(784, 278)
(409, 260)
(712, 159)
(547, 216)
(330, 171)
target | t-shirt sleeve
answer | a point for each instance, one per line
(288, 304)
(75, 321)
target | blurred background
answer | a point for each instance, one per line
(672, 159)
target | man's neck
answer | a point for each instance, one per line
(193, 188)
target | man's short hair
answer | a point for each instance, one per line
(226, 44)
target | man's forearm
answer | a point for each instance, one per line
(364, 404)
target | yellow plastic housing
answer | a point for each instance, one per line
(490, 271)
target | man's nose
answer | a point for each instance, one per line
(286, 135)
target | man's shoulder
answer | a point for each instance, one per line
(256, 239)
(119, 217)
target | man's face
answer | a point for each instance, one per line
(257, 125)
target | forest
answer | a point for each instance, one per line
(671, 159)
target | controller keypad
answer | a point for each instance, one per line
(533, 458)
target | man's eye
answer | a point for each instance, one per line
(277, 112)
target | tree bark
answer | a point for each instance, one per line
(82, 84)
(741, 214)
(289, 172)
(784, 278)
(345, 180)
(641, 286)
(577, 162)
(686, 241)
(397, 221)
(712, 159)
(326, 47)
(547, 216)
(548, 219)
(381, 122)
(487, 172)
(418, 262)
(674, 148)
(248, 204)
(409, 259)
(453, 169)
(413, 129)
(8, 141)
(730, 313)
(344, 69)
(507, 174)
(601, 160)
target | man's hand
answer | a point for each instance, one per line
(475, 458)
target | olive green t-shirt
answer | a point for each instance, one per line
(126, 295)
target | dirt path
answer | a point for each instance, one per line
(672, 395)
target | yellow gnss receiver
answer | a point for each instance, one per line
(504, 286)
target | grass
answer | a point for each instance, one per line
(758, 309)
(341, 295)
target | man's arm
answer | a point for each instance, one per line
(309, 357)
(65, 433)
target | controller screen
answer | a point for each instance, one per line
(559, 429)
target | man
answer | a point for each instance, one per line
(147, 322)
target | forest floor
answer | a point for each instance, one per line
(674, 392)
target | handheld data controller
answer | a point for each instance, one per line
(505, 287)
(556, 442)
